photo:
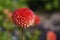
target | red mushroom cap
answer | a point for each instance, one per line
(23, 17)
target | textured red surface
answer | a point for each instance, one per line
(51, 35)
(23, 17)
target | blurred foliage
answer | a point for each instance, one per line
(45, 5)
(11, 5)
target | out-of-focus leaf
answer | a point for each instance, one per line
(1, 8)
(8, 25)
(1, 35)
(28, 34)
(1, 17)
(48, 6)
(36, 35)
(6, 36)
(56, 3)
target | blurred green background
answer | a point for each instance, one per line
(9, 31)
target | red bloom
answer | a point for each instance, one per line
(23, 17)
(37, 20)
(51, 35)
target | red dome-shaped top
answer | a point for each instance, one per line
(23, 17)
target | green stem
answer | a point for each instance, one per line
(21, 34)
(22, 37)
(24, 34)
